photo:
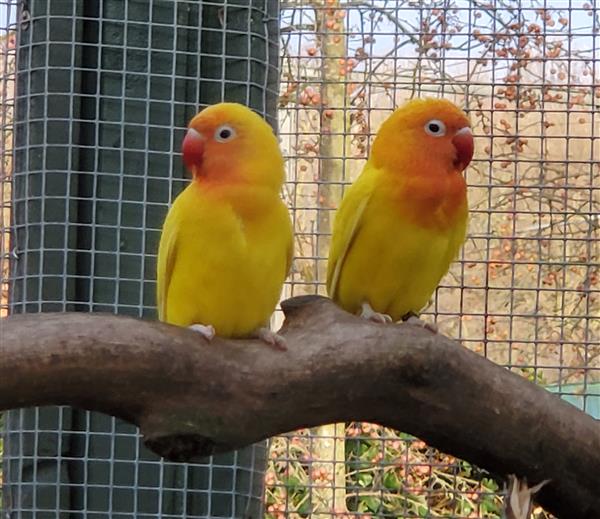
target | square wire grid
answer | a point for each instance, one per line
(525, 291)
(101, 98)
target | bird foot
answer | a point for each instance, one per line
(368, 313)
(413, 319)
(207, 331)
(271, 338)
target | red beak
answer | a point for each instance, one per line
(463, 142)
(192, 150)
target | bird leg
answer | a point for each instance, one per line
(368, 313)
(411, 318)
(207, 331)
(271, 338)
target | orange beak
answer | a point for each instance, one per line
(192, 150)
(463, 142)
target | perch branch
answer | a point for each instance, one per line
(191, 398)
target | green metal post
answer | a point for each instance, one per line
(104, 91)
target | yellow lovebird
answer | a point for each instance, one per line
(226, 244)
(404, 219)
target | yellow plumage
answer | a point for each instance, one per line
(226, 242)
(403, 221)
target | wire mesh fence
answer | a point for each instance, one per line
(102, 92)
(524, 292)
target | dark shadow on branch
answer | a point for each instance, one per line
(191, 398)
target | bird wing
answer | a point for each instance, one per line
(167, 253)
(347, 224)
(290, 256)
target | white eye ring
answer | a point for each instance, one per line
(435, 128)
(224, 133)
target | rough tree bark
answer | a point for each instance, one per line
(191, 398)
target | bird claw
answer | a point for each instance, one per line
(271, 338)
(368, 313)
(414, 320)
(207, 331)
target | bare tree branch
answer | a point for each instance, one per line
(191, 398)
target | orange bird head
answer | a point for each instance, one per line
(228, 142)
(425, 137)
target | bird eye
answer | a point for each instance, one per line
(435, 128)
(224, 133)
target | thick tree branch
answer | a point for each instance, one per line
(191, 398)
